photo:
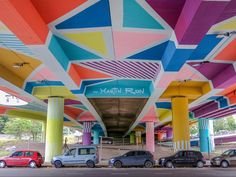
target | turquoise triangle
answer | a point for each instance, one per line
(135, 16)
(74, 52)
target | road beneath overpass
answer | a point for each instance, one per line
(110, 172)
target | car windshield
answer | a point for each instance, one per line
(226, 152)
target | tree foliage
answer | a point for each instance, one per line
(19, 127)
(227, 123)
(3, 121)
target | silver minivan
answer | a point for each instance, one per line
(81, 155)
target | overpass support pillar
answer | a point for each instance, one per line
(180, 123)
(54, 128)
(132, 138)
(138, 135)
(87, 126)
(150, 139)
(205, 135)
(96, 137)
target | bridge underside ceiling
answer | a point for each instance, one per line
(118, 113)
(118, 63)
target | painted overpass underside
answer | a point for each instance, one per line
(118, 63)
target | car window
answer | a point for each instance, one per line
(141, 153)
(231, 153)
(226, 152)
(17, 154)
(131, 153)
(182, 154)
(71, 152)
(191, 154)
(86, 151)
(29, 154)
(39, 155)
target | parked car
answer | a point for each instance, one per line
(24, 158)
(133, 158)
(81, 155)
(183, 158)
(228, 158)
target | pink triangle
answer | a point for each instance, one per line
(150, 116)
(126, 43)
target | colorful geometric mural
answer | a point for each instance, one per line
(122, 49)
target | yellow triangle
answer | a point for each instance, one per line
(228, 25)
(92, 40)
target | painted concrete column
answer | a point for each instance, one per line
(180, 123)
(132, 138)
(138, 135)
(54, 130)
(87, 126)
(96, 137)
(212, 138)
(204, 135)
(150, 139)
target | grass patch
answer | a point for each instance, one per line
(5, 153)
(7, 143)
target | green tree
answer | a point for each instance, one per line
(17, 127)
(231, 123)
(3, 121)
(35, 129)
(194, 129)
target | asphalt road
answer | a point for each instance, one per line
(111, 172)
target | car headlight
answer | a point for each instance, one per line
(162, 159)
(112, 160)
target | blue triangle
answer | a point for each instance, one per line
(154, 53)
(135, 16)
(74, 52)
(97, 15)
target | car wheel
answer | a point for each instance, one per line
(169, 164)
(90, 164)
(224, 164)
(58, 164)
(148, 164)
(117, 164)
(2, 164)
(32, 164)
(200, 164)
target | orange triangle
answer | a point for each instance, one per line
(79, 73)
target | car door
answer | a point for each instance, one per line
(16, 159)
(129, 159)
(232, 157)
(26, 158)
(190, 157)
(82, 155)
(141, 157)
(179, 158)
(69, 157)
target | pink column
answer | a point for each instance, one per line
(87, 133)
(150, 139)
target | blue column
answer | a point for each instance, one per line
(96, 137)
(204, 135)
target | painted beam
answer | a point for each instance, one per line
(45, 92)
(23, 19)
(193, 23)
(26, 114)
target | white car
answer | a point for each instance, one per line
(81, 155)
